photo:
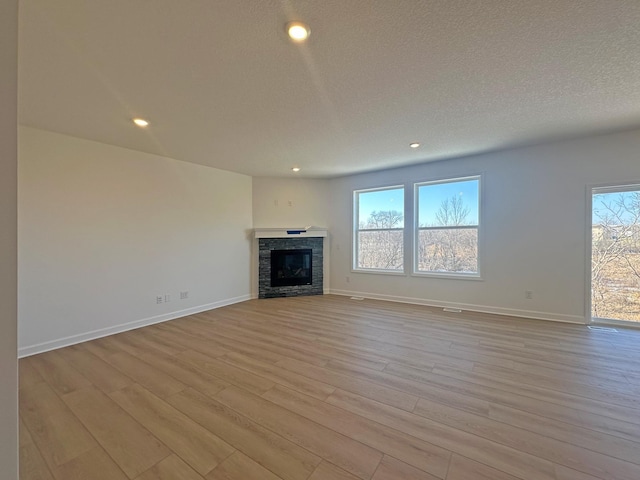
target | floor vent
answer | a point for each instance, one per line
(603, 329)
(357, 298)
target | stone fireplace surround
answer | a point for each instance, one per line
(290, 239)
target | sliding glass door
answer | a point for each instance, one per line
(615, 253)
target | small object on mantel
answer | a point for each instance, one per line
(308, 231)
(302, 230)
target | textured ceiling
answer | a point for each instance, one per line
(222, 86)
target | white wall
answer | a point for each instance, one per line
(534, 224)
(291, 202)
(8, 256)
(104, 230)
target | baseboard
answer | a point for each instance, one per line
(123, 327)
(615, 323)
(512, 312)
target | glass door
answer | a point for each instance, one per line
(615, 253)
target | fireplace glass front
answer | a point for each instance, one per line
(291, 267)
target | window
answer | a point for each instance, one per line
(379, 229)
(447, 221)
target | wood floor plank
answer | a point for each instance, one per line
(462, 468)
(185, 372)
(623, 395)
(272, 345)
(145, 339)
(171, 468)
(581, 459)
(613, 446)
(96, 370)
(28, 375)
(102, 347)
(409, 449)
(192, 442)
(512, 386)
(338, 449)
(308, 351)
(228, 373)
(406, 355)
(272, 451)
(373, 390)
(600, 376)
(564, 473)
(181, 335)
(153, 379)
(327, 471)
(58, 433)
(281, 376)
(132, 447)
(477, 397)
(224, 344)
(24, 437)
(393, 469)
(32, 465)
(492, 453)
(384, 378)
(94, 464)
(59, 373)
(240, 467)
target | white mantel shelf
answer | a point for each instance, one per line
(295, 232)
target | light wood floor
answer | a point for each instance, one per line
(329, 388)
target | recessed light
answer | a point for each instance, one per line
(414, 145)
(298, 31)
(141, 122)
(295, 169)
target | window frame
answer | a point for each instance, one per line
(355, 230)
(417, 229)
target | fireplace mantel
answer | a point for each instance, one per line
(295, 232)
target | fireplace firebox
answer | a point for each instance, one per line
(291, 267)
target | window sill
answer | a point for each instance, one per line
(449, 276)
(379, 271)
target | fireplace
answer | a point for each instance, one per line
(291, 267)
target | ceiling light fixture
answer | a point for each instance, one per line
(295, 169)
(141, 122)
(298, 31)
(414, 145)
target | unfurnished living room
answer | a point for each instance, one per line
(320, 240)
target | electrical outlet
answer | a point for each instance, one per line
(159, 299)
(184, 295)
(348, 279)
(528, 294)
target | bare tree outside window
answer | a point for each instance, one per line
(447, 239)
(615, 255)
(380, 232)
(380, 242)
